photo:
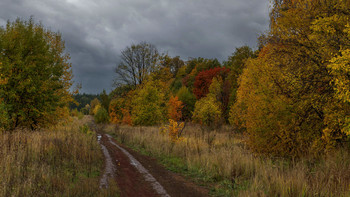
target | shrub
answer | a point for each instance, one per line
(149, 105)
(188, 100)
(94, 104)
(207, 111)
(101, 116)
(4, 119)
(174, 108)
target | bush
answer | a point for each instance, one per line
(207, 112)
(188, 99)
(4, 119)
(101, 116)
(35, 75)
(149, 105)
(94, 105)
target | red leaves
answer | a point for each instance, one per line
(204, 78)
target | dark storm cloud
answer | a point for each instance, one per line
(96, 31)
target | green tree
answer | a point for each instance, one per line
(236, 64)
(37, 72)
(188, 99)
(101, 116)
(104, 99)
(149, 105)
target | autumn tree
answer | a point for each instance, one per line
(105, 100)
(188, 100)
(204, 78)
(291, 98)
(195, 66)
(35, 75)
(94, 105)
(120, 108)
(173, 63)
(137, 62)
(236, 64)
(101, 116)
(149, 105)
(115, 110)
(208, 111)
(174, 108)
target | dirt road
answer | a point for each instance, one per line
(139, 175)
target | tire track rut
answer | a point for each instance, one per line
(139, 175)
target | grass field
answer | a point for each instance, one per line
(64, 160)
(220, 160)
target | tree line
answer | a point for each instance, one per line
(290, 97)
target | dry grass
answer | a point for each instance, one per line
(222, 158)
(65, 160)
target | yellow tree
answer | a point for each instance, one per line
(149, 105)
(290, 97)
(37, 74)
(115, 110)
(207, 110)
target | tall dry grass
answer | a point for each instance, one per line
(224, 160)
(64, 160)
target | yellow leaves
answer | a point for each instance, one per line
(96, 108)
(207, 111)
(346, 129)
(325, 24)
(149, 104)
(173, 129)
(340, 70)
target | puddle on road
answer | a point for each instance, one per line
(148, 177)
(109, 168)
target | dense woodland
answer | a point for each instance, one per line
(290, 96)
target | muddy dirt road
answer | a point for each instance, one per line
(139, 175)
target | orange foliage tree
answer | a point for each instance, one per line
(115, 110)
(204, 78)
(175, 108)
(292, 99)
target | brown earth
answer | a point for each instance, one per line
(132, 183)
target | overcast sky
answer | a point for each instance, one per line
(95, 31)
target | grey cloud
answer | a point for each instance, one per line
(96, 31)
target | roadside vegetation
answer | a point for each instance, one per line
(43, 150)
(221, 161)
(62, 160)
(287, 105)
